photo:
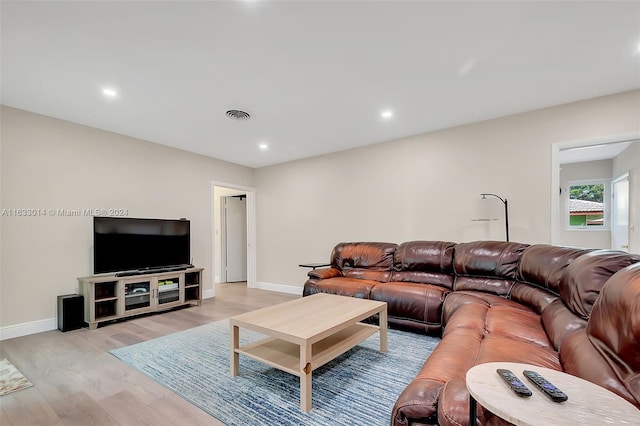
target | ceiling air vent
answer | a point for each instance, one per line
(238, 115)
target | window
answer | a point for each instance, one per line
(588, 204)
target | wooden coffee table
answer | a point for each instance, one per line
(307, 333)
(588, 403)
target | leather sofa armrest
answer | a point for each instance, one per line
(418, 403)
(324, 273)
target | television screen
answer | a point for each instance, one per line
(125, 244)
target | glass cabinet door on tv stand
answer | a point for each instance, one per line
(137, 295)
(168, 291)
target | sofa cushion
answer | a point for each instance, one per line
(488, 266)
(542, 265)
(517, 324)
(429, 262)
(474, 318)
(421, 303)
(559, 322)
(369, 261)
(503, 320)
(458, 299)
(535, 298)
(496, 348)
(583, 280)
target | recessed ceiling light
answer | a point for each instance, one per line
(263, 146)
(109, 92)
(386, 114)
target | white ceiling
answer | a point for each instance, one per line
(594, 152)
(313, 75)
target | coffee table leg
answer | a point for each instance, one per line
(305, 377)
(383, 330)
(235, 344)
(472, 411)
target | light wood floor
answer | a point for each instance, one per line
(77, 382)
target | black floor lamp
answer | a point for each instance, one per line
(506, 210)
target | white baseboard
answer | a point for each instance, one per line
(33, 327)
(281, 288)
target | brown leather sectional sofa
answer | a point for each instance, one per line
(570, 309)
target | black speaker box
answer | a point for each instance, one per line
(70, 312)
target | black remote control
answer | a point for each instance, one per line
(545, 386)
(514, 383)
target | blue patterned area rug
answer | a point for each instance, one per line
(357, 388)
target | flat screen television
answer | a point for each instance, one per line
(129, 244)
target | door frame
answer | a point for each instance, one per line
(251, 229)
(555, 171)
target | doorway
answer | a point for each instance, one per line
(234, 238)
(625, 158)
(240, 237)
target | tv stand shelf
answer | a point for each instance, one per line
(110, 297)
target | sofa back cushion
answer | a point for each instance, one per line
(370, 261)
(539, 272)
(542, 265)
(428, 262)
(585, 277)
(488, 266)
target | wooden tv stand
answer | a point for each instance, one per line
(108, 297)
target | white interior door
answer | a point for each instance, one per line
(620, 214)
(235, 239)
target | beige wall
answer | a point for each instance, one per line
(53, 164)
(422, 187)
(425, 187)
(593, 238)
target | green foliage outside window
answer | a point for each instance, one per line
(588, 192)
